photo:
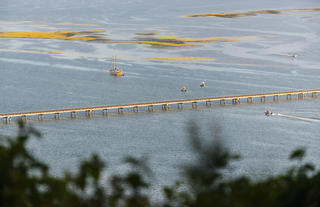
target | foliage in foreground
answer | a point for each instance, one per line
(25, 181)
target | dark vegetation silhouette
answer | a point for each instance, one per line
(26, 181)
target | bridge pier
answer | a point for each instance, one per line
(236, 101)
(300, 96)
(89, 113)
(223, 101)
(194, 105)
(57, 116)
(180, 106)
(104, 112)
(40, 117)
(314, 94)
(120, 110)
(6, 120)
(276, 98)
(165, 107)
(23, 118)
(73, 114)
(150, 107)
(289, 96)
(135, 109)
(208, 103)
(249, 100)
(263, 99)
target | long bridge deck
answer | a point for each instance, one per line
(165, 105)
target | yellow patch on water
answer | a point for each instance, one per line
(180, 58)
(274, 11)
(82, 32)
(63, 35)
(179, 42)
(225, 15)
(182, 41)
(168, 41)
(31, 51)
(93, 35)
(56, 53)
(249, 13)
(151, 42)
(148, 33)
(209, 39)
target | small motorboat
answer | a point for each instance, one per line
(203, 84)
(115, 71)
(268, 113)
(183, 89)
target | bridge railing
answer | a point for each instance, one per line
(165, 105)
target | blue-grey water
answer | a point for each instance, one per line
(41, 74)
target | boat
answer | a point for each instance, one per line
(183, 89)
(203, 84)
(292, 55)
(115, 71)
(268, 113)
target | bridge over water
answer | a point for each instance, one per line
(161, 105)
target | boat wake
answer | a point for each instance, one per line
(297, 117)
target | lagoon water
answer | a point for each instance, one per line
(253, 56)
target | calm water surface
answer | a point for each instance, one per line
(41, 74)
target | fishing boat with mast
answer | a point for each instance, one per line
(115, 70)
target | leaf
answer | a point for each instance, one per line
(297, 154)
